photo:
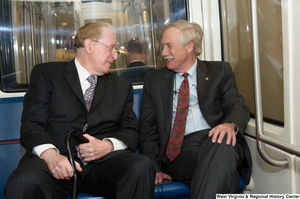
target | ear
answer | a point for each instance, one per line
(128, 60)
(146, 56)
(190, 46)
(88, 46)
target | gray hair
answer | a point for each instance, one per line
(190, 31)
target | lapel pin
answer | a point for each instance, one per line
(206, 78)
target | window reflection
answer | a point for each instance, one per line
(271, 57)
(33, 32)
(137, 56)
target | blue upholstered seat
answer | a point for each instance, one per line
(169, 189)
(87, 196)
(166, 190)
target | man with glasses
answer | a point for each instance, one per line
(192, 118)
(81, 95)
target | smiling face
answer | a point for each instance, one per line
(101, 54)
(179, 58)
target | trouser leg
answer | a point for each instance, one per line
(205, 167)
(138, 182)
(124, 176)
(182, 168)
(216, 171)
(32, 179)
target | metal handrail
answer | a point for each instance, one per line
(152, 32)
(152, 28)
(46, 35)
(260, 137)
(32, 31)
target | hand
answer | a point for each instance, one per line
(220, 131)
(95, 148)
(160, 176)
(59, 165)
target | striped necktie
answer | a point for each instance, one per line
(89, 95)
(88, 98)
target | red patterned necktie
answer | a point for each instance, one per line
(177, 134)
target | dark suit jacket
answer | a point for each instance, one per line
(54, 105)
(218, 99)
(136, 71)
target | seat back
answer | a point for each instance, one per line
(10, 149)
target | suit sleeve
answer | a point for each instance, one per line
(149, 140)
(35, 112)
(128, 126)
(238, 112)
(233, 105)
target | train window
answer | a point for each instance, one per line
(237, 51)
(33, 32)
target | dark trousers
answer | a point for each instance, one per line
(124, 176)
(205, 167)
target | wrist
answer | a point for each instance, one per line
(110, 145)
(48, 153)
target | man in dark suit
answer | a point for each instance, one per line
(137, 55)
(213, 153)
(54, 104)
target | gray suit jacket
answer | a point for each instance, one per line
(218, 99)
(54, 105)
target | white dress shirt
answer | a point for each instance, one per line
(195, 120)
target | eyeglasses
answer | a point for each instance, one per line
(112, 50)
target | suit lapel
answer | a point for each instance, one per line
(203, 80)
(100, 90)
(72, 78)
(167, 96)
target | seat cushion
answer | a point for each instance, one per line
(169, 189)
(87, 196)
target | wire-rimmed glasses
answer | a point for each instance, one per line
(112, 50)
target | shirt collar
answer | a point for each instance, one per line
(191, 71)
(137, 61)
(82, 72)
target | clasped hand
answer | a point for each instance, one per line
(95, 148)
(60, 166)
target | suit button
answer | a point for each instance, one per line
(83, 120)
